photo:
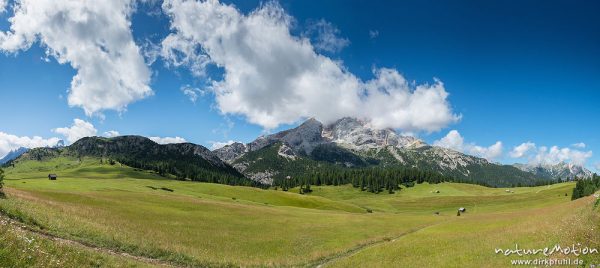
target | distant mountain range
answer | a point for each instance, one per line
(349, 142)
(13, 154)
(346, 144)
(562, 171)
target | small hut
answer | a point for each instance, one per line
(52, 177)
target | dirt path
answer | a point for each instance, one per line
(362, 247)
(23, 227)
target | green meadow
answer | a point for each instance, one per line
(145, 220)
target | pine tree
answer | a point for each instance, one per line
(362, 184)
(307, 188)
(1, 178)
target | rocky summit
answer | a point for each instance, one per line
(562, 171)
(350, 143)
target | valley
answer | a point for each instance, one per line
(183, 223)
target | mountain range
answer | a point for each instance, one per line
(13, 154)
(350, 142)
(346, 144)
(561, 171)
(183, 161)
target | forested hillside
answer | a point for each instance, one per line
(183, 161)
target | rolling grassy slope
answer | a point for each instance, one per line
(423, 199)
(202, 224)
(22, 248)
(472, 239)
(197, 223)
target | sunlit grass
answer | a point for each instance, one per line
(471, 240)
(203, 224)
(22, 248)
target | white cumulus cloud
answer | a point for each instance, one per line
(491, 152)
(544, 155)
(522, 149)
(167, 140)
(95, 38)
(78, 130)
(220, 144)
(112, 133)
(273, 77)
(453, 140)
(555, 155)
(9, 142)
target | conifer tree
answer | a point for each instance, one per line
(1, 178)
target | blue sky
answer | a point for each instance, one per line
(515, 72)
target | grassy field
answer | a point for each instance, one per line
(200, 224)
(20, 247)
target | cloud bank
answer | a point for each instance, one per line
(78, 130)
(95, 38)
(10, 142)
(453, 140)
(544, 155)
(272, 77)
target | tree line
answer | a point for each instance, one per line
(1, 178)
(586, 187)
(1, 182)
(374, 180)
(185, 169)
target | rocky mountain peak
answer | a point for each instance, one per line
(562, 170)
(232, 151)
(351, 142)
(347, 132)
(299, 140)
(359, 135)
(304, 138)
(13, 154)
